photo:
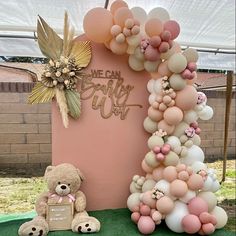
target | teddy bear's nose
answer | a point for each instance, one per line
(63, 187)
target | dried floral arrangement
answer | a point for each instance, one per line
(67, 58)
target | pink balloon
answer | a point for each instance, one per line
(146, 225)
(148, 200)
(191, 224)
(158, 173)
(166, 35)
(151, 53)
(145, 210)
(121, 15)
(135, 217)
(192, 66)
(153, 27)
(197, 205)
(116, 5)
(155, 41)
(186, 99)
(164, 47)
(173, 27)
(97, 24)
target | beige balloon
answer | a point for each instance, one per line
(135, 64)
(171, 159)
(209, 198)
(191, 54)
(177, 63)
(155, 140)
(151, 160)
(149, 125)
(177, 82)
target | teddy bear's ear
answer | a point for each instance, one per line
(80, 175)
(48, 169)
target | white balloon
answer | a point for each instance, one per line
(190, 116)
(139, 14)
(206, 113)
(149, 125)
(199, 107)
(174, 142)
(215, 186)
(221, 217)
(152, 98)
(150, 85)
(188, 196)
(197, 166)
(163, 186)
(174, 219)
(160, 13)
(135, 64)
(157, 86)
(195, 153)
(207, 184)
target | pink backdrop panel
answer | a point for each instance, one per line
(107, 150)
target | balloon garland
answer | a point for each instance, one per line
(178, 187)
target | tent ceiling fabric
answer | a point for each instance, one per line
(207, 24)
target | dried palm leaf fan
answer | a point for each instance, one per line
(67, 58)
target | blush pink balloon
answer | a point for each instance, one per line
(166, 35)
(170, 173)
(151, 53)
(186, 99)
(145, 210)
(164, 47)
(158, 173)
(163, 69)
(155, 41)
(97, 24)
(135, 217)
(208, 228)
(146, 225)
(169, 129)
(148, 200)
(160, 157)
(197, 205)
(192, 66)
(173, 27)
(173, 115)
(191, 224)
(145, 167)
(153, 27)
(116, 5)
(121, 15)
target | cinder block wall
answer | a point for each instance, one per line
(25, 131)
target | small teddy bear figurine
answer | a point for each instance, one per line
(63, 183)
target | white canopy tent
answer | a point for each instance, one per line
(208, 25)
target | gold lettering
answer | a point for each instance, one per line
(110, 98)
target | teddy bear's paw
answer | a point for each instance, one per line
(32, 230)
(91, 225)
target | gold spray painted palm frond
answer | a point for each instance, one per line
(61, 74)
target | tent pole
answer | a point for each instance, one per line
(106, 4)
(227, 115)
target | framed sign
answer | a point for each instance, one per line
(60, 216)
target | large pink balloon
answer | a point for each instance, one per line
(186, 99)
(173, 27)
(153, 27)
(121, 15)
(117, 4)
(173, 115)
(97, 24)
(146, 225)
(191, 224)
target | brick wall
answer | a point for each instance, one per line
(25, 132)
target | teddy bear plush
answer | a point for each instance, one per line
(63, 183)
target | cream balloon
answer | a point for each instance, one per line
(151, 160)
(134, 40)
(177, 82)
(190, 116)
(135, 64)
(177, 63)
(149, 125)
(150, 85)
(196, 140)
(174, 49)
(155, 140)
(180, 128)
(151, 66)
(152, 98)
(139, 14)
(191, 55)
(133, 201)
(160, 13)
(148, 185)
(195, 153)
(138, 54)
(174, 219)
(221, 217)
